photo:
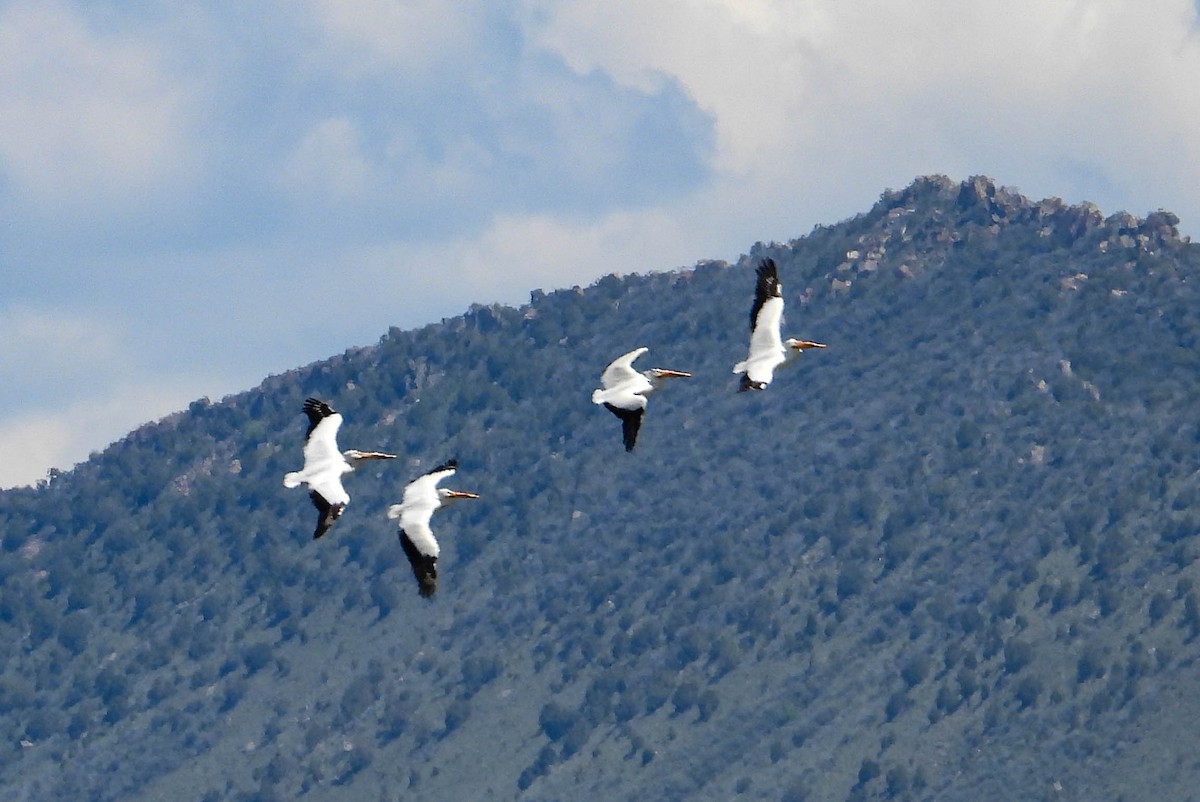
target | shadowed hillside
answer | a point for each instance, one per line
(952, 556)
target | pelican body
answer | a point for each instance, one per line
(768, 350)
(625, 389)
(422, 498)
(324, 465)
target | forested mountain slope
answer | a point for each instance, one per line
(952, 556)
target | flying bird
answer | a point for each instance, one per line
(422, 498)
(324, 464)
(767, 350)
(625, 391)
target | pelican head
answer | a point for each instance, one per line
(354, 456)
(663, 373)
(446, 495)
(792, 344)
(659, 375)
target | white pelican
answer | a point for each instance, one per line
(324, 464)
(625, 391)
(767, 350)
(423, 497)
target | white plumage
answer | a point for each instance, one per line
(625, 389)
(324, 465)
(422, 498)
(768, 350)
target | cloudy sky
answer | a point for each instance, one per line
(194, 196)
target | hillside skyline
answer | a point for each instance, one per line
(177, 183)
(533, 292)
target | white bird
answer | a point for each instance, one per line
(422, 498)
(324, 464)
(767, 350)
(625, 391)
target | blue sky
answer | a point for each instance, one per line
(192, 198)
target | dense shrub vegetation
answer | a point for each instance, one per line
(953, 556)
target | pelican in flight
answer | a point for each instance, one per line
(324, 464)
(625, 391)
(422, 498)
(767, 350)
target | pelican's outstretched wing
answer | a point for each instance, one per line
(317, 411)
(766, 315)
(320, 441)
(620, 370)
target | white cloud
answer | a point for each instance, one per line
(329, 162)
(518, 253)
(88, 118)
(807, 96)
(726, 56)
(378, 35)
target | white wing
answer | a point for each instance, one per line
(323, 463)
(329, 485)
(321, 447)
(420, 534)
(766, 347)
(620, 370)
(766, 338)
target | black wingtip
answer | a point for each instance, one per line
(449, 465)
(312, 404)
(631, 422)
(766, 286)
(424, 566)
(317, 411)
(326, 514)
(746, 384)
